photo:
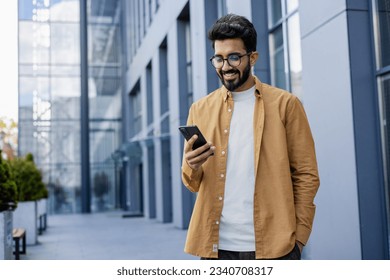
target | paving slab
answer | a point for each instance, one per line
(108, 236)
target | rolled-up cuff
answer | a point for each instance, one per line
(191, 178)
(302, 234)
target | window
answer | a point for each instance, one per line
(135, 105)
(190, 95)
(164, 89)
(381, 17)
(49, 96)
(285, 45)
(149, 94)
(186, 97)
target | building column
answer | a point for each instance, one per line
(328, 103)
(340, 100)
(156, 140)
(84, 111)
(179, 193)
(144, 146)
(370, 178)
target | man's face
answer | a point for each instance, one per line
(234, 78)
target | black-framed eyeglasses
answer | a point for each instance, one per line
(234, 60)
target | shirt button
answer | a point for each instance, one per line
(223, 153)
(222, 175)
(226, 131)
(217, 222)
(220, 198)
(229, 110)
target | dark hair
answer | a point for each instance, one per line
(233, 26)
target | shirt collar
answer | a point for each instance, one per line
(258, 93)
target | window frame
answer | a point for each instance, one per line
(381, 73)
(274, 26)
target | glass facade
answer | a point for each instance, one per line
(104, 63)
(381, 16)
(285, 45)
(49, 96)
(383, 38)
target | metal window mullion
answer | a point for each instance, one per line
(375, 23)
(380, 73)
(384, 145)
(273, 28)
(84, 111)
(50, 97)
(273, 52)
(383, 71)
(284, 18)
(286, 55)
(290, 14)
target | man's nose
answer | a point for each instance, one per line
(226, 66)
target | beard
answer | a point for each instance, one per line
(232, 85)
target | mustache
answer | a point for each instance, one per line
(231, 71)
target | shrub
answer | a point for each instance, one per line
(101, 183)
(8, 190)
(28, 179)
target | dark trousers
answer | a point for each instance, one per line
(295, 254)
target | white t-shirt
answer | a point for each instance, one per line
(236, 231)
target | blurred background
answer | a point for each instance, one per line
(97, 90)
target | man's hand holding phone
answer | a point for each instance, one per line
(196, 150)
(195, 158)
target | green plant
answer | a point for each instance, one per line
(28, 179)
(101, 187)
(101, 183)
(8, 189)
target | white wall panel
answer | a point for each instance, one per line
(242, 8)
(317, 13)
(198, 48)
(173, 75)
(328, 103)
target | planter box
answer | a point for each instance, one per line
(25, 216)
(6, 246)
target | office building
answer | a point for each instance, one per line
(334, 55)
(70, 118)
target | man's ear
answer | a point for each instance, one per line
(253, 58)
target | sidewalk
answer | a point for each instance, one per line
(107, 236)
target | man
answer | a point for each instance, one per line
(257, 179)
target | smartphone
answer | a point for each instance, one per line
(188, 131)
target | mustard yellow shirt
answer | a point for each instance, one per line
(286, 174)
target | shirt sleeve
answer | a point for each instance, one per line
(303, 165)
(191, 178)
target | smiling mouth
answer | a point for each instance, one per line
(229, 75)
